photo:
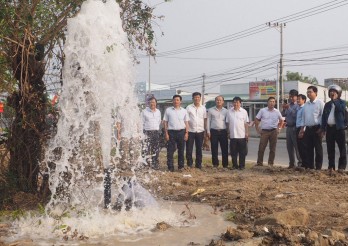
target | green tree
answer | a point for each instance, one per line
(299, 76)
(31, 41)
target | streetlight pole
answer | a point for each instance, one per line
(279, 27)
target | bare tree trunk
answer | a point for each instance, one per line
(27, 131)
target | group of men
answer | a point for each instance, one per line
(307, 121)
(307, 124)
(189, 127)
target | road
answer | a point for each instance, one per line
(281, 153)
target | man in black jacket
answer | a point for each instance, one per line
(334, 125)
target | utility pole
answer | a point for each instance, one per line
(203, 88)
(279, 27)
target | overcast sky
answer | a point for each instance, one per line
(323, 37)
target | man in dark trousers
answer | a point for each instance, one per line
(334, 125)
(175, 122)
(311, 131)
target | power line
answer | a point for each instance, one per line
(259, 28)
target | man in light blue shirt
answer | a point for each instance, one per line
(301, 100)
(310, 131)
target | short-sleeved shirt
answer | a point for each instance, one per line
(236, 120)
(151, 119)
(312, 112)
(216, 119)
(196, 117)
(269, 118)
(176, 118)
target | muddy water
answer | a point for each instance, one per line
(198, 224)
(207, 225)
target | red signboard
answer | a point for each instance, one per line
(1, 107)
(262, 89)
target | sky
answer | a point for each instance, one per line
(240, 47)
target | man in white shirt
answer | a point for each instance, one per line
(271, 121)
(151, 117)
(175, 122)
(217, 133)
(237, 120)
(310, 131)
(197, 123)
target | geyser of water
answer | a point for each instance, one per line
(97, 90)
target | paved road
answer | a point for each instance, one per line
(281, 153)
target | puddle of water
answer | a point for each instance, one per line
(129, 228)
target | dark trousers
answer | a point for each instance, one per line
(152, 147)
(301, 148)
(216, 137)
(338, 136)
(197, 139)
(238, 146)
(313, 142)
(176, 140)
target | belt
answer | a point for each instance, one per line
(176, 130)
(311, 127)
(291, 125)
(269, 130)
(218, 130)
(331, 125)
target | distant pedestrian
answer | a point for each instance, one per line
(197, 124)
(310, 131)
(334, 125)
(289, 112)
(238, 125)
(301, 100)
(175, 121)
(217, 132)
(151, 118)
(271, 121)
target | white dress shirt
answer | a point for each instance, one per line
(236, 120)
(216, 119)
(151, 119)
(269, 118)
(331, 120)
(312, 112)
(176, 118)
(196, 117)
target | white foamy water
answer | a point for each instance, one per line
(97, 89)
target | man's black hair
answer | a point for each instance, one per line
(302, 96)
(237, 99)
(293, 92)
(315, 89)
(196, 94)
(177, 96)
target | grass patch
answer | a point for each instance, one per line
(230, 216)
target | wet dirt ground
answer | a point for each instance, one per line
(247, 196)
